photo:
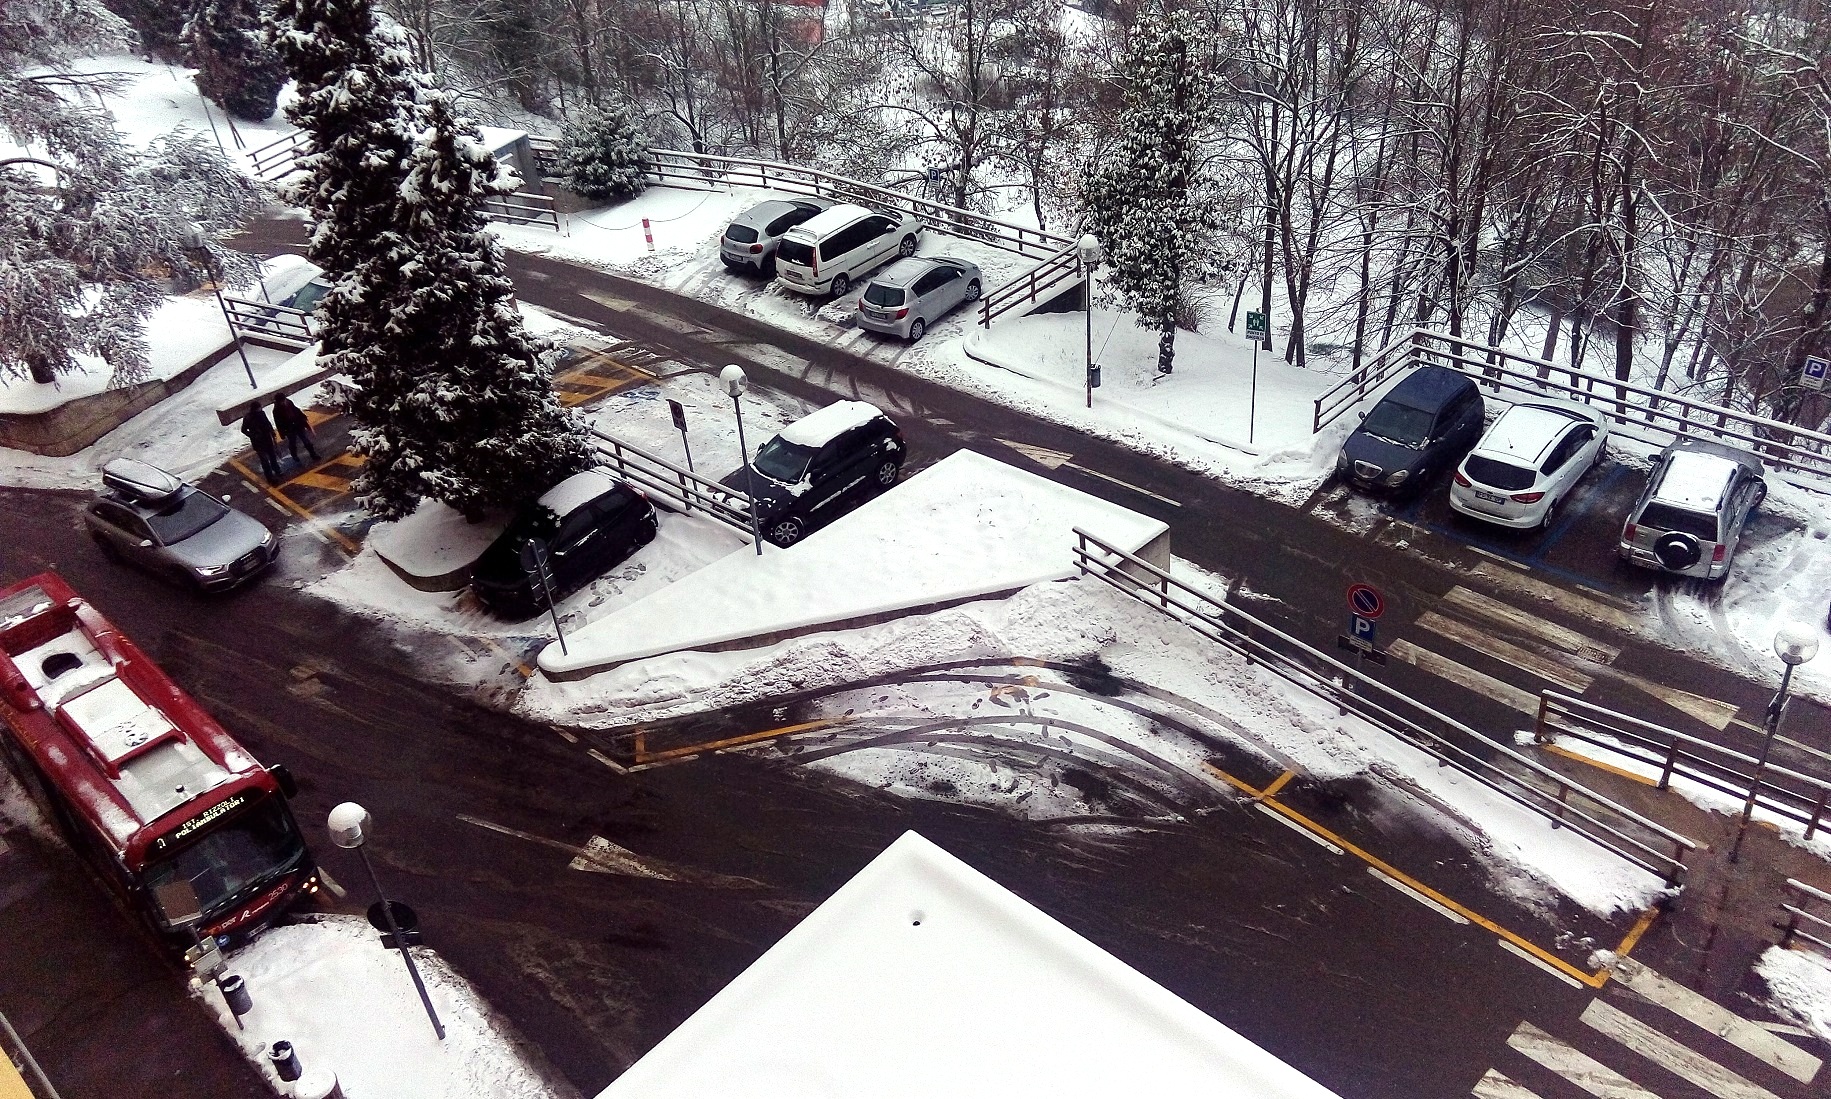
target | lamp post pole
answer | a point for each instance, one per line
(195, 241)
(735, 384)
(1795, 644)
(1089, 249)
(348, 824)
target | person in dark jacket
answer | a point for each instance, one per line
(295, 428)
(259, 430)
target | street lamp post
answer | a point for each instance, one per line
(195, 241)
(1795, 644)
(348, 824)
(735, 383)
(1089, 249)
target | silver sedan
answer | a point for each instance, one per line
(149, 517)
(912, 294)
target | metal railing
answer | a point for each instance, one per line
(1027, 288)
(523, 208)
(275, 160)
(705, 171)
(262, 320)
(675, 488)
(1651, 414)
(1521, 780)
(1785, 792)
(14, 1052)
(1803, 925)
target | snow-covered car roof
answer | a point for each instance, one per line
(830, 219)
(1695, 480)
(817, 429)
(770, 209)
(285, 275)
(904, 272)
(576, 491)
(1524, 432)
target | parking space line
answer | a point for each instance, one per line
(248, 475)
(673, 754)
(515, 661)
(1447, 913)
(1540, 962)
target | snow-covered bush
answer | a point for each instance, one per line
(603, 155)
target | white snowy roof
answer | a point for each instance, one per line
(577, 490)
(817, 429)
(496, 139)
(923, 977)
(1525, 432)
(831, 218)
(1695, 480)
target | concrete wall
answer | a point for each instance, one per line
(72, 426)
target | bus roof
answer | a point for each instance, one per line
(119, 738)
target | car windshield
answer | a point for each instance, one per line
(307, 298)
(1503, 475)
(1698, 524)
(251, 849)
(783, 461)
(743, 234)
(189, 513)
(1398, 423)
(796, 251)
(879, 294)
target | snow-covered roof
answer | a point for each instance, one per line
(496, 139)
(817, 429)
(1695, 480)
(576, 491)
(1525, 432)
(831, 218)
(923, 977)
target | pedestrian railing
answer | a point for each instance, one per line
(524, 208)
(276, 159)
(17, 1062)
(675, 488)
(1652, 415)
(1028, 288)
(1808, 918)
(1492, 763)
(1787, 793)
(261, 320)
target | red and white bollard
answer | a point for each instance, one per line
(648, 235)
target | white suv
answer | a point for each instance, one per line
(1527, 463)
(829, 252)
(1691, 515)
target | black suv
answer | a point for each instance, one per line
(818, 467)
(579, 528)
(1425, 424)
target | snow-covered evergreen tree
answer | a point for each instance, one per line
(237, 68)
(1145, 201)
(602, 154)
(88, 225)
(158, 23)
(458, 403)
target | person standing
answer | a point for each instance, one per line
(259, 430)
(295, 427)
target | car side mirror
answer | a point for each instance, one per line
(1361, 415)
(146, 543)
(226, 498)
(289, 786)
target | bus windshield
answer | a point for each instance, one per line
(251, 849)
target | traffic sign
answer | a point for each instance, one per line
(679, 414)
(1361, 628)
(1816, 369)
(1256, 328)
(1362, 650)
(1366, 601)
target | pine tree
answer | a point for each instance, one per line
(159, 24)
(237, 68)
(1146, 204)
(602, 155)
(458, 403)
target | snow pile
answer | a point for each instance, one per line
(348, 1005)
(179, 333)
(1800, 983)
(434, 540)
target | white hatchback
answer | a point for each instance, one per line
(1528, 461)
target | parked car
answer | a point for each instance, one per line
(1690, 517)
(146, 516)
(832, 250)
(578, 529)
(911, 294)
(1426, 423)
(1528, 461)
(751, 239)
(809, 474)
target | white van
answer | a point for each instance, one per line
(827, 253)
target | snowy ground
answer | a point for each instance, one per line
(347, 1005)
(1800, 983)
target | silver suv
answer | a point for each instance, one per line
(149, 517)
(1691, 515)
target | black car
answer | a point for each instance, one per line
(579, 528)
(818, 466)
(1425, 424)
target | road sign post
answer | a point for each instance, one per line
(1257, 329)
(680, 424)
(1365, 605)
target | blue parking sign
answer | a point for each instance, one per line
(1361, 629)
(1815, 371)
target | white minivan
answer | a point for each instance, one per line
(828, 253)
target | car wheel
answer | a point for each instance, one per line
(1760, 495)
(109, 550)
(887, 471)
(1551, 512)
(908, 247)
(1677, 551)
(917, 329)
(841, 284)
(769, 266)
(973, 290)
(786, 533)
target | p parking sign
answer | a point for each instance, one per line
(1813, 377)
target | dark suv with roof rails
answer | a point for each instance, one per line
(1425, 424)
(818, 467)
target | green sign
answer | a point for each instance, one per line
(1256, 328)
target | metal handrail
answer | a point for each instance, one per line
(1352, 691)
(1789, 793)
(1799, 914)
(1355, 388)
(677, 488)
(281, 152)
(523, 208)
(268, 321)
(1065, 264)
(42, 1086)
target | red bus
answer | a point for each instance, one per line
(146, 784)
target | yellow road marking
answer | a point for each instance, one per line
(732, 742)
(1558, 750)
(285, 502)
(1592, 980)
(329, 482)
(1278, 783)
(580, 377)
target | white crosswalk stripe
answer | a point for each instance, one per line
(1496, 1086)
(1756, 1041)
(1576, 1066)
(1661, 1050)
